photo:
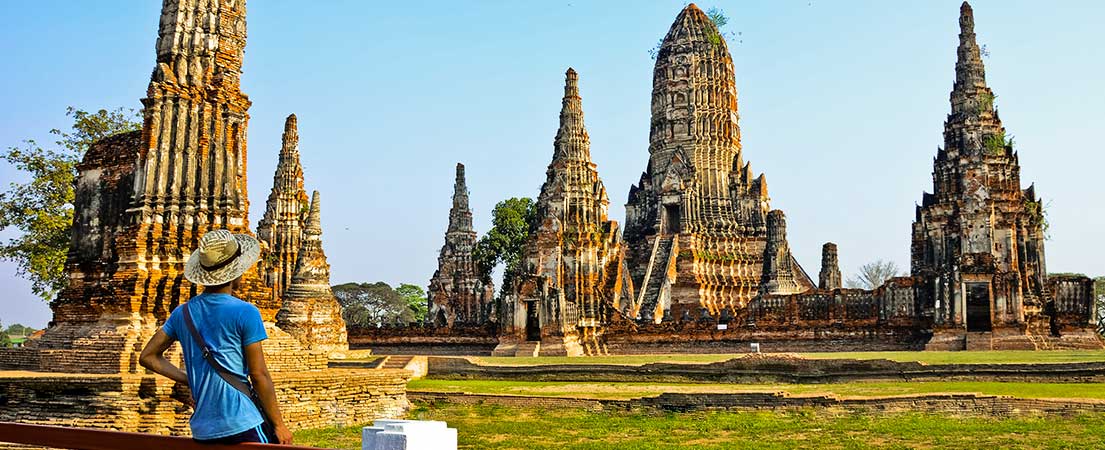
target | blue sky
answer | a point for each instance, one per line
(842, 106)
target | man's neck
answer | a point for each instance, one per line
(221, 290)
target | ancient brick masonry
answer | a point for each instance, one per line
(310, 312)
(978, 239)
(829, 278)
(696, 223)
(144, 200)
(459, 294)
(285, 211)
(573, 268)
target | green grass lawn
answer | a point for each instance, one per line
(488, 427)
(991, 357)
(605, 390)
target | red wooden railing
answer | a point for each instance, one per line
(94, 439)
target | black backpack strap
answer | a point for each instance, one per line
(232, 379)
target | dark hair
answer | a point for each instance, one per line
(217, 286)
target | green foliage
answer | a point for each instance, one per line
(42, 208)
(19, 330)
(714, 36)
(512, 224)
(997, 143)
(1037, 214)
(986, 102)
(488, 426)
(416, 300)
(372, 305)
(5, 341)
(1099, 302)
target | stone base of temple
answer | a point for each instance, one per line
(105, 347)
(148, 403)
(1013, 339)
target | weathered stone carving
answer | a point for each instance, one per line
(698, 211)
(145, 199)
(978, 239)
(459, 294)
(572, 272)
(281, 229)
(310, 312)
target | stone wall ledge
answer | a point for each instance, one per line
(963, 404)
(761, 369)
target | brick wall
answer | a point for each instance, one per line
(146, 403)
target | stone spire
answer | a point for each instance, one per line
(309, 311)
(460, 216)
(282, 226)
(571, 140)
(977, 240)
(829, 278)
(575, 248)
(778, 267)
(459, 295)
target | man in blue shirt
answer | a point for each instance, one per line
(233, 331)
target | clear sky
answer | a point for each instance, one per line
(842, 106)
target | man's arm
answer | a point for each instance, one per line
(262, 383)
(153, 358)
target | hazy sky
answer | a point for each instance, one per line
(842, 106)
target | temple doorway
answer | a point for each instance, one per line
(671, 219)
(978, 307)
(533, 323)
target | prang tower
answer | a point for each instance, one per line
(978, 239)
(459, 294)
(697, 222)
(573, 263)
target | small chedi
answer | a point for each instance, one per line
(459, 294)
(697, 223)
(978, 239)
(310, 312)
(572, 273)
(143, 200)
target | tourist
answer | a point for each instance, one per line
(227, 408)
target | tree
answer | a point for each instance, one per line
(372, 305)
(5, 341)
(512, 223)
(42, 208)
(415, 297)
(1099, 300)
(873, 275)
(19, 330)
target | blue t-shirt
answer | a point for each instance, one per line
(228, 325)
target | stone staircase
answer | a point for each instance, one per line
(395, 362)
(656, 273)
(528, 348)
(979, 341)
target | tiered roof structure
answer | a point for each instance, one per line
(281, 228)
(978, 239)
(459, 294)
(570, 271)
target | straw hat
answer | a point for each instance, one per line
(221, 258)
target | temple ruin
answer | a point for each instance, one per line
(697, 223)
(459, 295)
(978, 239)
(573, 267)
(143, 200)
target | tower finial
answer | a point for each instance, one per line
(571, 83)
(290, 140)
(314, 218)
(966, 18)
